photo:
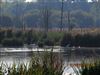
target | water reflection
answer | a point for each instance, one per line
(10, 55)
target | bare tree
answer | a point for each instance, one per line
(62, 13)
(45, 12)
(69, 15)
(46, 16)
(0, 8)
(69, 25)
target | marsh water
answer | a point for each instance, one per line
(71, 54)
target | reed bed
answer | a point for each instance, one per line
(46, 63)
(87, 68)
(49, 63)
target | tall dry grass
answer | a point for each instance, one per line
(47, 63)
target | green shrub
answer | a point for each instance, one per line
(12, 42)
(40, 44)
(66, 39)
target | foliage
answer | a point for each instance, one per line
(88, 68)
(1, 73)
(17, 38)
(13, 42)
(40, 64)
(31, 15)
(66, 40)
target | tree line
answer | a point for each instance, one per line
(41, 15)
(19, 38)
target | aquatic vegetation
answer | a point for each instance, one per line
(93, 68)
(46, 63)
(49, 63)
(1, 73)
(87, 68)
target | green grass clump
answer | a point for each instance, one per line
(88, 68)
(1, 73)
(45, 63)
(92, 68)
